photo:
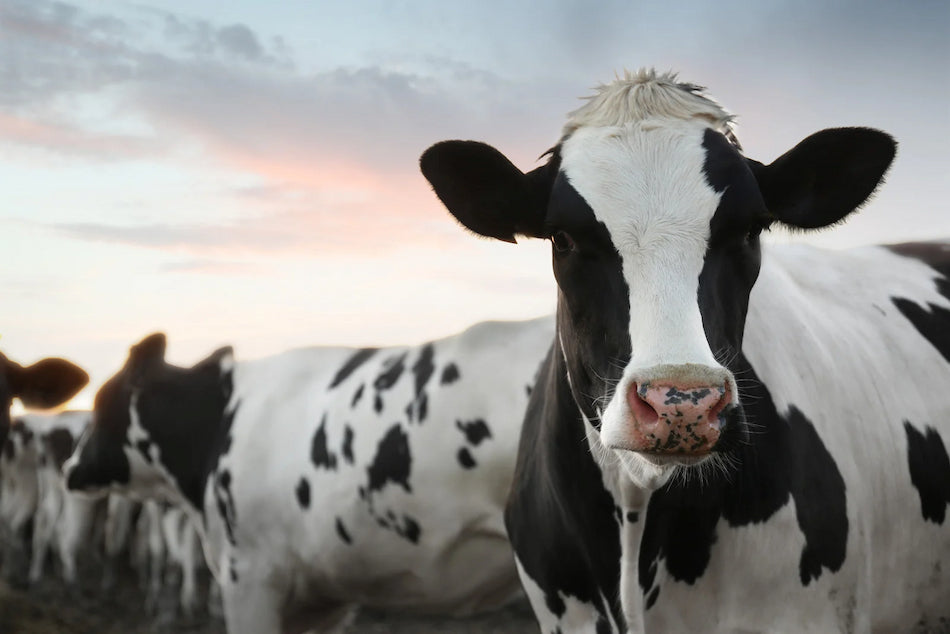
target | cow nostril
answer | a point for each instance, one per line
(720, 405)
(643, 412)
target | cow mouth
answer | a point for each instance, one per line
(674, 460)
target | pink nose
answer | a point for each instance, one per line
(678, 420)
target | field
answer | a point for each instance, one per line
(53, 609)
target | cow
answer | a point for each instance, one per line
(324, 478)
(19, 494)
(42, 385)
(726, 434)
(63, 520)
(34, 503)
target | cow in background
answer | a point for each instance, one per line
(325, 478)
(64, 521)
(19, 495)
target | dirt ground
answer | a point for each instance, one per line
(54, 609)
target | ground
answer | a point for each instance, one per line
(52, 609)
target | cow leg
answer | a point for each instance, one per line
(78, 517)
(215, 601)
(43, 528)
(118, 529)
(156, 550)
(17, 541)
(189, 566)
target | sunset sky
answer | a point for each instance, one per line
(246, 172)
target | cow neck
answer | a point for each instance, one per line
(560, 485)
(185, 414)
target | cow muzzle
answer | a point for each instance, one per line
(677, 410)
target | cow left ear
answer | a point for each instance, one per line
(46, 383)
(825, 177)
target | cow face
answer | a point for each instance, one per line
(134, 444)
(43, 385)
(654, 217)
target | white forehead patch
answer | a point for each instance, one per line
(647, 185)
(646, 182)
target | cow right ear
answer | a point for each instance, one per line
(221, 359)
(485, 191)
(145, 355)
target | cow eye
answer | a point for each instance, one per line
(563, 243)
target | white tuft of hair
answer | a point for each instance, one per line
(643, 95)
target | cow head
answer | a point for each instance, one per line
(150, 423)
(654, 217)
(43, 385)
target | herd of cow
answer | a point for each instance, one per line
(710, 434)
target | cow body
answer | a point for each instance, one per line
(726, 436)
(335, 477)
(820, 528)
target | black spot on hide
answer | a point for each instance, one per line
(929, 471)
(320, 453)
(475, 431)
(359, 358)
(450, 374)
(303, 493)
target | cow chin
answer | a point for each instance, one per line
(652, 471)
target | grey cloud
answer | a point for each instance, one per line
(52, 49)
(239, 40)
(224, 87)
(202, 39)
(55, 49)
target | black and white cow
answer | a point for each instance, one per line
(64, 521)
(326, 478)
(34, 496)
(765, 425)
(45, 384)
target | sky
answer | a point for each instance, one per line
(246, 172)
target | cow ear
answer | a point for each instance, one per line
(825, 177)
(221, 359)
(46, 383)
(145, 355)
(485, 191)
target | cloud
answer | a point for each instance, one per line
(66, 139)
(338, 229)
(189, 85)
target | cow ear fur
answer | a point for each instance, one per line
(485, 191)
(825, 177)
(222, 360)
(46, 383)
(145, 355)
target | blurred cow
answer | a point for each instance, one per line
(63, 520)
(44, 384)
(19, 494)
(325, 478)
